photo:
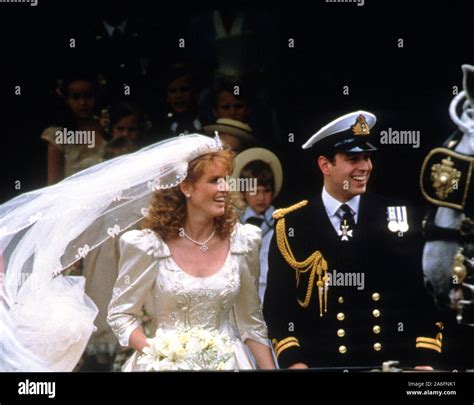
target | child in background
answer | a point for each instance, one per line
(126, 120)
(234, 134)
(78, 96)
(118, 147)
(263, 170)
(178, 110)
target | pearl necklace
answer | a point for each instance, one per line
(202, 245)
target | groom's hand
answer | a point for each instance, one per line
(298, 366)
(424, 368)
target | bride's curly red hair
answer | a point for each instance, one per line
(167, 211)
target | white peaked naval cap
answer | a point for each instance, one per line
(349, 133)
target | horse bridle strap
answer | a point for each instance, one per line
(431, 231)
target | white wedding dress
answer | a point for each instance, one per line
(226, 301)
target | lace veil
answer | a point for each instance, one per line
(45, 231)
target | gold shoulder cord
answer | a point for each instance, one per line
(314, 263)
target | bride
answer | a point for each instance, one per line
(198, 267)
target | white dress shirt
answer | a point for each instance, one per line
(332, 207)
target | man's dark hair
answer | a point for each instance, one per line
(329, 155)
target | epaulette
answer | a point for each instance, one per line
(280, 213)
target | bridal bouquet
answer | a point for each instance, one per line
(187, 349)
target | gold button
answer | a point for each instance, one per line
(377, 347)
(342, 349)
(376, 313)
(375, 296)
(340, 300)
(340, 316)
(376, 329)
(341, 332)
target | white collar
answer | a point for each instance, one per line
(249, 212)
(110, 28)
(235, 29)
(332, 205)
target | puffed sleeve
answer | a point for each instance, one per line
(137, 273)
(247, 308)
(49, 135)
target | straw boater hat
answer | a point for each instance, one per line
(267, 156)
(232, 127)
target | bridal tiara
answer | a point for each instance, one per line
(180, 171)
(214, 145)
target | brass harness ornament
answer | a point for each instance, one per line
(458, 269)
(445, 177)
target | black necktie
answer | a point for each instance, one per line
(347, 226)
(257, 221)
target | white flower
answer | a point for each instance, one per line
(187, 349)
(194, 345)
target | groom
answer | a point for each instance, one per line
(318, 312)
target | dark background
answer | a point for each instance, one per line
(336, 44)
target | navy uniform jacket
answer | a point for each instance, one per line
(365, 323)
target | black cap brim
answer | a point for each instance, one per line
(360, 147)
(344, 144)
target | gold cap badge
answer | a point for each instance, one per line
(361, 127)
